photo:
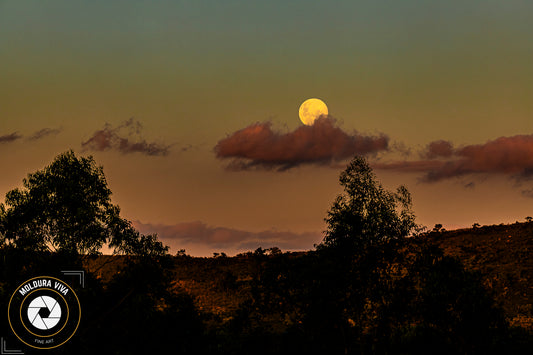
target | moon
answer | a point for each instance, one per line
(311, 109)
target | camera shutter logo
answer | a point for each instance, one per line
(44, 312)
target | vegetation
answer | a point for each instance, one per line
(376, 284)
(67, 207)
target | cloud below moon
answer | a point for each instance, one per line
(258, 146)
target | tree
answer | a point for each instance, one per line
(438, 304)
(370, 276)
(365, 213)
(437, 228)
(369, 290)
(67, 206)
(355, 268)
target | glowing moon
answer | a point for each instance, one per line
(311, 109)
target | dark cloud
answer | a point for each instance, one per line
(438, 149)
(8, 138)
(180, 235)
(511, 156)
(44, 133)
(470, 185)
(401, 148)
(528, 193)
(126, 138)
(323, 143)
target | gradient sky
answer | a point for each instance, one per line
(193, 73)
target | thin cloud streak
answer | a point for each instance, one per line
(126, 139)
(45, 132)
(9, 138)
(258, 146)
(198, 233)
(419, 166)
(527, 193)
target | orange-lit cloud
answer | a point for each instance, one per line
(126, 138)
(258, 146)
(180, 235)
(8, 138)
(511, 156)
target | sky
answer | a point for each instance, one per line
(192, 109)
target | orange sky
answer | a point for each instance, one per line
(195, 74)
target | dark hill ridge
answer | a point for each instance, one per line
(500, 253)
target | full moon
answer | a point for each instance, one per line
(311, 109)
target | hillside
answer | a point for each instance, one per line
(500, 253)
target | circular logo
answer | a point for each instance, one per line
(44, 312)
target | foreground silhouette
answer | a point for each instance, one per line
(374, 285)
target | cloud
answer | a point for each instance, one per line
(510, 156)
(259, 146)
(528, 193)
(8, 138)
(182, 235)
(126, 139)
(45, 132)
(420, 166)
(470, 185)
(438, 149)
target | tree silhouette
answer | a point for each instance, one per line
(365, 213)
(67, 206)
(331, 298)
(440, 307)
(437, 228)
(368, 289)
